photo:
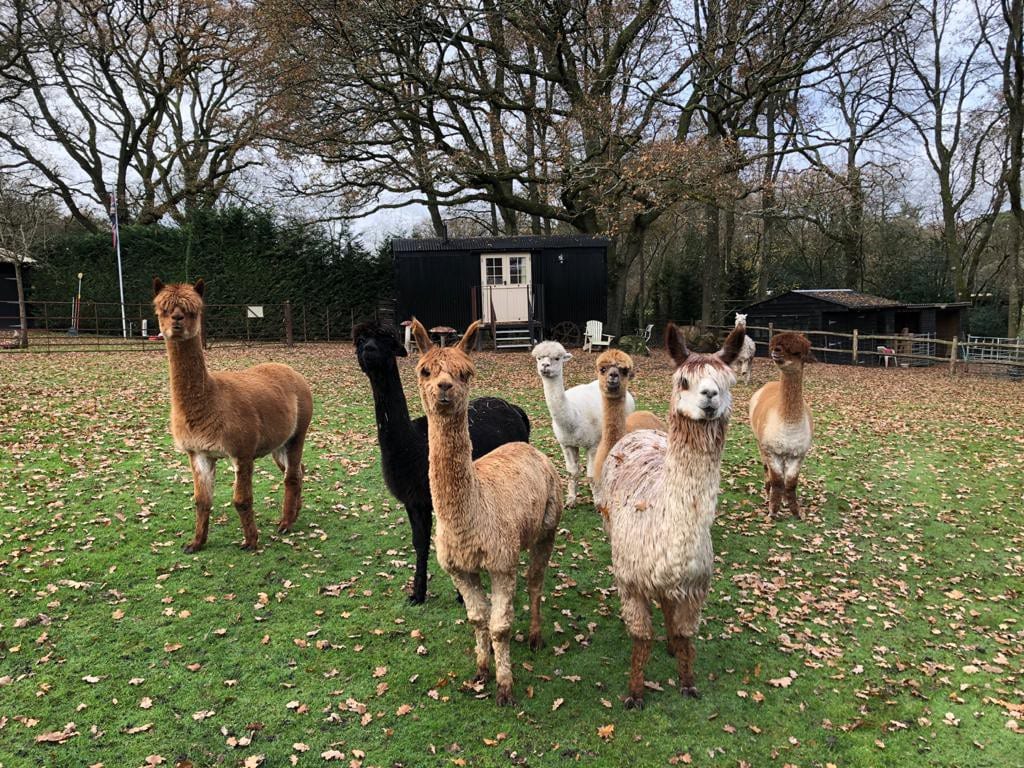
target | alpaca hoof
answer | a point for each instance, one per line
(284, 526)
(689, 692)
(481, 677)
(570, 502)
(191, 547)
(417, 598)
(536, 642)
(247, 546)
(504, 698)
(634, 702)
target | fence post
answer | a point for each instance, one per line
(952, 356)
(288, 336)
(328, 310)
(771, 330)
(305, 330)
(855, 346)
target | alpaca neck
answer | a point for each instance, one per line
(454, 484)
(792, 395)
(554, 396)
(191, 384)
(693, 466)
(614, 425)
(390, 406)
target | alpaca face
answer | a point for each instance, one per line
(741, 319)
(551, 357)
(376, 346)
(179, 309)
(789, 350)
(614, 372)
(701, 389)
(444, 373)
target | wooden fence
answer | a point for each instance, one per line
(976, 355)
(97, 327)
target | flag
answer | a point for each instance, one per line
(113, 219)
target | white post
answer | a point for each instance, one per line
(117, 244)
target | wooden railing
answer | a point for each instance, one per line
(857, 348)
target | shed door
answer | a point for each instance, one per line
(505, 281)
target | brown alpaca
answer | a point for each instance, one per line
(658, 495)
(782, 423)
(614, 372)
(239, 415)
(487, 511)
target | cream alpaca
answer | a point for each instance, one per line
(487, 511)
(576, 414)
(614, 373)
(782, 423)
(659, 495)
(240, 415)
(744, 362)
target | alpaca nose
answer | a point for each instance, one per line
(444, 386)
(709, 393)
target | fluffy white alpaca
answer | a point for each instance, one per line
(744, 362)
(577, 414)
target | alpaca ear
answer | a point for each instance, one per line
(676, 344)
(422, 337)
(733, 344)
(809, 356)
(200, 287)
(468, 340)
(158, 286)
(566, 357)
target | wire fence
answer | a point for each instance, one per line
(977, 355)
(101, 327)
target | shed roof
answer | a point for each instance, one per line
(10, 257)
(524, 243)
(851, 299)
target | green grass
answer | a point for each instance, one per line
(884, 628)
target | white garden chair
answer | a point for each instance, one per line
(595, 336)
(887, 354)
(645, 333)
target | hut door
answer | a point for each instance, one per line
(505, 278)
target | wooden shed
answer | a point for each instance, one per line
(842, 310)
(523, 288)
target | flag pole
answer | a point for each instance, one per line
(117, 248)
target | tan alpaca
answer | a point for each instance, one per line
(782, 422)
(487, 511)
(240, 415)
(614, 372)
(658, 495)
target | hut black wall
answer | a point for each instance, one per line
(575, 285)
(436, 287)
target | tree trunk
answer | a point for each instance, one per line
(709, 301)
(22, 310)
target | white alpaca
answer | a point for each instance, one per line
(744, 362)
(577, 414)
(658, 498)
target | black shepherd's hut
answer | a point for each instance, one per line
(523, 288)
(9, 317)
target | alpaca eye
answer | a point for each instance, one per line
(625, 371)
(424, 372)
(684, 383)
(603, 370)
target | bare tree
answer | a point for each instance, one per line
(26, 217)
(159, 102)
(947, 100)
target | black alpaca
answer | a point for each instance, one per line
(403, 441)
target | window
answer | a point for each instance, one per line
(515, 270)
(495, 272)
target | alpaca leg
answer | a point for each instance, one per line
(792, 477)
(293, 474)
(572, 465)
(243, 503)
(204, 469)
(591, 458)
(686, 619)
(420, 520)
(503, 593)
(636, 613)
(540, 555)
(775, 486)
(478, 609)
